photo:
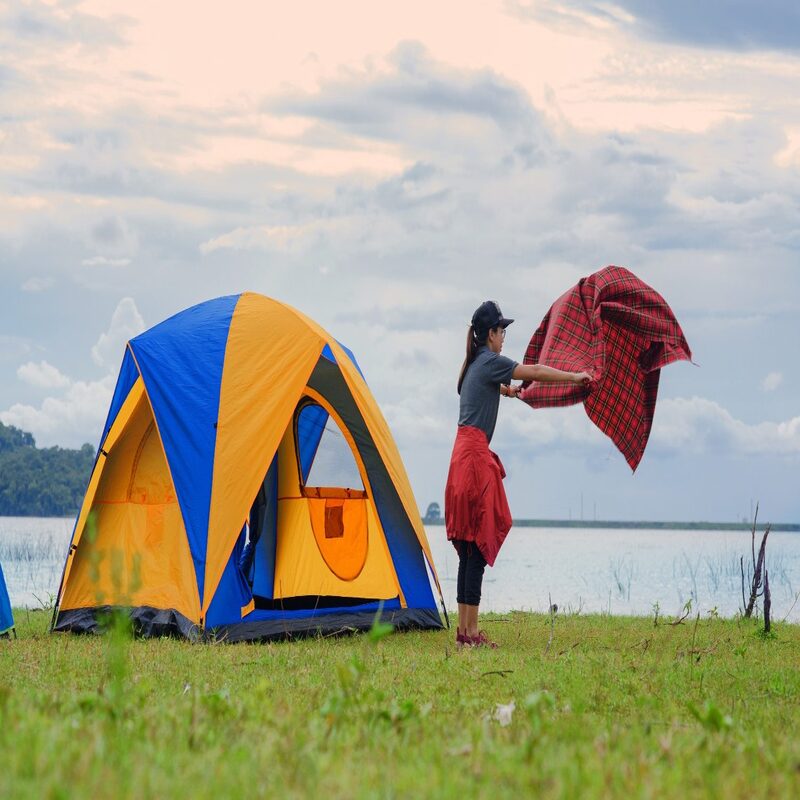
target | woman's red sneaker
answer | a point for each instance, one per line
(482, 640)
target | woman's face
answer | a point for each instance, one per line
(495, 339)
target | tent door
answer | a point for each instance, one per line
(264, 534)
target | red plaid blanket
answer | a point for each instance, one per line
(619, 329)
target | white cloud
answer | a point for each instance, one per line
(411, 426)
(286, 238)
(549, 426)
(772, 381)
(102, 261)
(14, 348)
(37, 284)
(77, 415)
(126, 322)
(681, 426)
(698, 425)
(42, 375)
(789, 156)
(260, 237)
(68, 421)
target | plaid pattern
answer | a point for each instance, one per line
(621, 331)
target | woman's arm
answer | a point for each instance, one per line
(538, 372)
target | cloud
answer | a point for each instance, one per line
(682, 426)
(65, 420)
(126, 322)
(698, 425)
(102, 261)
(789, 156)
(726, 24)
(13, 348)
(772, 381)
(42, 375)
(568, 428)
(416, 95)
(37, 284)
(59, 24)
(265, 237)
(77, 414)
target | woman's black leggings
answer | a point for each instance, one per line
(470, 573)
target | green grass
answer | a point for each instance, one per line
(617, 707)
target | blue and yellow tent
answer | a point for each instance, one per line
(6, 616)
(209, 507)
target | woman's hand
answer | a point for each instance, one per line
(581, 378)
(512, 390)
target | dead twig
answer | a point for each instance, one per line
(501, 672)
(756, 587)
(741, 566)
(339, 632)
(687, 609)
(552, 623)
(753, 556)
(796, 597)
(694, 637)
(694, 632)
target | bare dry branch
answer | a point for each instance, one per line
(552, 623)
(767, 601)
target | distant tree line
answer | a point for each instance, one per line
(40, 482)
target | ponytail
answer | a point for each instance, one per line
(473, 343)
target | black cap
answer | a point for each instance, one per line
(488, 315)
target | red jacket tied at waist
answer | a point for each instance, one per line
(475, 504)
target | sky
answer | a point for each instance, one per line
(386, 167)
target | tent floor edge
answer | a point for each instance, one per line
(324, 625)
(147, 621)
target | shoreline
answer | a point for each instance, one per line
(777, 527)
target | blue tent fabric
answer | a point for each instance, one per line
(261, 614)
(263, 578)
(233, 592)
(351, 357)
(407, 556)
(181, 362)
(328, 353)
(6, 617)
(310, 426)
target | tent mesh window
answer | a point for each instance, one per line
(326, 460)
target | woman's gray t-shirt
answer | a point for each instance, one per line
(480, 391)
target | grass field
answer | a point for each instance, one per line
(616, 707)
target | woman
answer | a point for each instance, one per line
(477, 516)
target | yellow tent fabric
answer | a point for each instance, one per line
(268, 359)
(139, 555)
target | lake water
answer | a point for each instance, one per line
(621, 571)
(592, 570)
